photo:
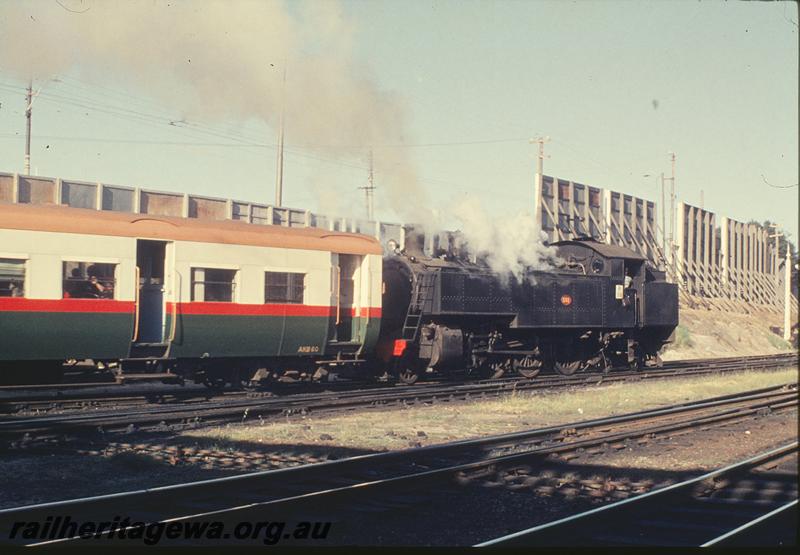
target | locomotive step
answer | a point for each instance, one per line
(151, 344)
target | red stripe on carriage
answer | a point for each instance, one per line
(369, 312)
(237, 309)
(21, 304)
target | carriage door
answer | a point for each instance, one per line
(345, 328)
(150, 257)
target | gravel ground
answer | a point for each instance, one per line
(401, 428)
(460, 513)
(505, 502)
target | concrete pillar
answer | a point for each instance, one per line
(739, 266)
(708, 231)
(571, 207)
(689, 258)
(680, 247)
(724, 246)
(555, 209)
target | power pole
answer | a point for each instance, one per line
(279, 169)
(537, 184)
(368, 190)
(540, 158)
(663, 221)
(672, 210)
(787, 296)
(28, 109)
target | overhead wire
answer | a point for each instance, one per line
(239, 138)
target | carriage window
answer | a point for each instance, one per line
(88, 280)
(213, 285)
(284, 287)
(12, 277)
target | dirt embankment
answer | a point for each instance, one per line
(712, 333)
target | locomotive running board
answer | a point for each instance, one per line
(146, 377)
(495, 352)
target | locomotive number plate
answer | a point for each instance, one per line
(308, 349)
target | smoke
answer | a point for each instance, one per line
(222, 60)
(510, 245)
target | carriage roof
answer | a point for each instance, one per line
(60, 219)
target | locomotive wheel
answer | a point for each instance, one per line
(497, 371)
(527, 367)
(567, 368)
(637, 363)
(408, 376)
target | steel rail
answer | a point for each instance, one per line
(408, 467)
(52, 392)
(163, 417)
(748, 527)
(577, 529)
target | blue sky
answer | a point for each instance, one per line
(615, 85)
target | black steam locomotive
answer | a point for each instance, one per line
(604, 306)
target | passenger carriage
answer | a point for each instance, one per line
(173, 297)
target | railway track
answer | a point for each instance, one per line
(340, 489)
(43, 397)
(750, 503)
(142, 414)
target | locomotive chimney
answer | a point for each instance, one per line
(415, 243)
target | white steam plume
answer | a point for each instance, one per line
(510, 245)
(221, 60)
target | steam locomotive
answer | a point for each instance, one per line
(217, 302)
(603, 306)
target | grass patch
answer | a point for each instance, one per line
(778, 342)
(407, 427)
(683, 338)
